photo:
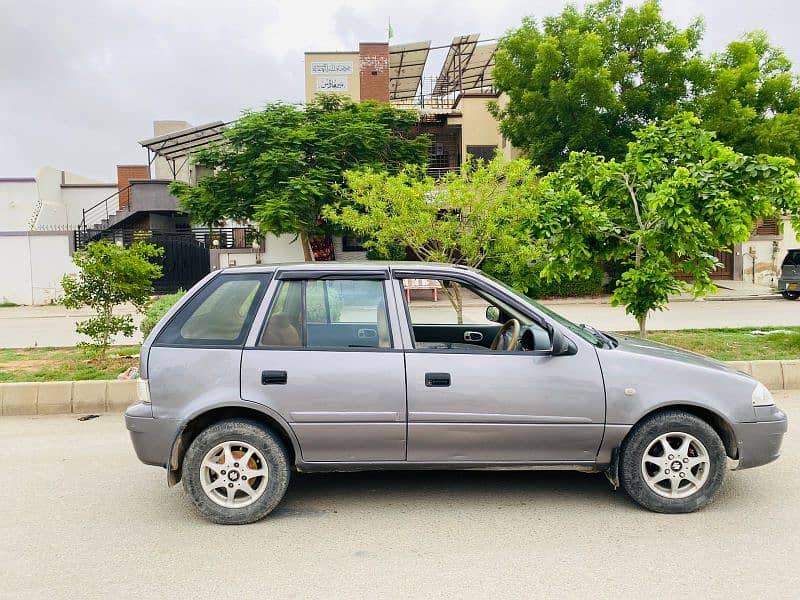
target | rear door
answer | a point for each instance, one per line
(325, 360)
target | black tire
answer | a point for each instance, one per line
(258, 437)
(644, 434)
(790, 295)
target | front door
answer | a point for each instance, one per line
(325, 362)
(467, 403)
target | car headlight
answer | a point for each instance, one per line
(143, 391)
(762, 396)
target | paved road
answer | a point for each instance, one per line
(81, 518)
(23, 327)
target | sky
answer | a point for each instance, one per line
(81, 81)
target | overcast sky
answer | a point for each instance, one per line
(82, 80)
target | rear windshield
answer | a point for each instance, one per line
(793, 258)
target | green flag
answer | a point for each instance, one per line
(390, 31)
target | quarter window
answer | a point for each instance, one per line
(219, 314)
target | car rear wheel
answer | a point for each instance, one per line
(672, 462)
(236, 472)
(790, 295)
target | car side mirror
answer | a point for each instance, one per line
(562, 346)
(493, 314)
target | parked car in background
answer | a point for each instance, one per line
(789, 281)
(259, 371)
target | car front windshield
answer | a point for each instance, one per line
(583, 332)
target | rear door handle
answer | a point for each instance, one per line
(437, 379)
(273, 378)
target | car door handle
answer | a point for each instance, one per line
(437, 379)
(473, 336)
(273, 378)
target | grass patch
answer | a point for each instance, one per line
(735, 344)
(64, 364)
(7, 304)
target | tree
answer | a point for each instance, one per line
(752, 98)
(677, 196)
(110, 275)
(279, 166)
(477, 215)
(584, 81)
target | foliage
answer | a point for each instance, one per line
(475, 216)
(676, 197)
(541, 287)
(108, 276)
(316, 310)
(158, 309)
(279, 166)
(752, 98)
(395, 252)
(585, 80)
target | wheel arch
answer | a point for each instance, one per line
(718, 423)
(200, 421)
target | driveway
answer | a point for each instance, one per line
(83, 518)
(24, 327)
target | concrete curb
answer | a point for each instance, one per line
(65, 397)
(85, 397)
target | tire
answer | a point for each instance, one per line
(257, 485)
(790, 295)
(697, 468)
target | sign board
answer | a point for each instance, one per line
(331, 84)
(333, 67)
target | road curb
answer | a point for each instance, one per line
(98, 396)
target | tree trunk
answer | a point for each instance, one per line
(306, 243)
(642, 329)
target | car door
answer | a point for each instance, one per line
(325, 360)
(478, 405)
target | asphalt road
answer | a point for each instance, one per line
(24, 327)
(81, 518)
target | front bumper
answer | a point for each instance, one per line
(760, 442)
(152, 438)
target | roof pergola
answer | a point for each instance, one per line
(179, 145)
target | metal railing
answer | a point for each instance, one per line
(96, 213)
(216, 238)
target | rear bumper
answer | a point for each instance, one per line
(152, 438)
(760, 442)
(784, 285)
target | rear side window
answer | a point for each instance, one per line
(220, 314)
(328, 314)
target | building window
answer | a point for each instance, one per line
(352, 243)
(767, 227)
(481, 152)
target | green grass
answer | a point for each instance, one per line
(7, 304)
(64, 364)
(735, 344)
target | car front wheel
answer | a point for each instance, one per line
(790, 295)
(236, 472)
(672, 462)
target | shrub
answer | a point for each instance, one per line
(590, 286)
(157, 310)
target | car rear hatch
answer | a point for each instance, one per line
(790, 269)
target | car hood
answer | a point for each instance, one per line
(635, 345)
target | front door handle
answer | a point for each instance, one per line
(273, 378)
(437, 379)
(473, 336)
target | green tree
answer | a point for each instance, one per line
(585, 80)
(108, 276)
(472, 217)
(677, 196)
(752, 98)
(279, 166)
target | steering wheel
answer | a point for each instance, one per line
(511, 325)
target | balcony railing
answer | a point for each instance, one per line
(217, 238)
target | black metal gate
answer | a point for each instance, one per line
(184, 263)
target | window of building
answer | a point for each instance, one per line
(218, 315)
(339, 313)
(767, 227)
(481, 152)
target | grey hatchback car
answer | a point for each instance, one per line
(260, 371)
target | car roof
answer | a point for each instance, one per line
(366, 265)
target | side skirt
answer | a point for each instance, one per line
(321, 467)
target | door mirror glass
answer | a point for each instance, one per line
(493, 314)
(561, 345)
